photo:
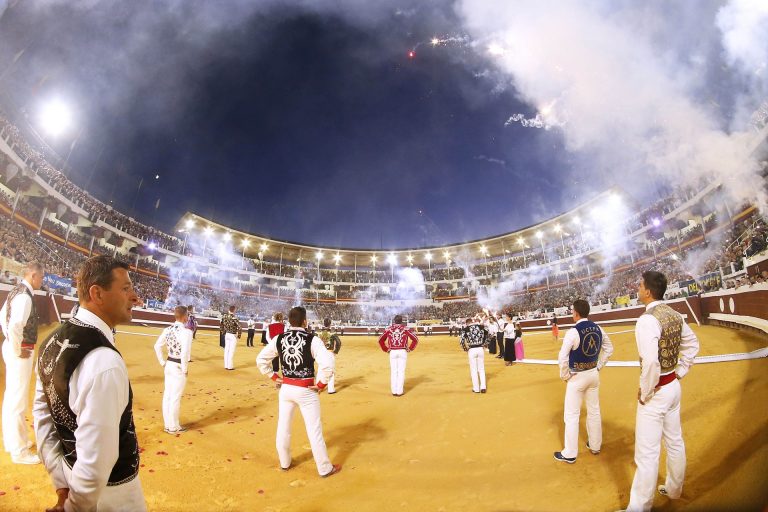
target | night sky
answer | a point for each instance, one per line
(305, 125)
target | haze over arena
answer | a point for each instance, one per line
(389, 124)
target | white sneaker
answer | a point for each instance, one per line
(25, 457)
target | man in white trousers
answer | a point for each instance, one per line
(83, 406)
(177, 340)
(585, 350)
(18, 319)
(473, 338)
(395, 341)
(230, 326)
(298, 351)
(667, 347)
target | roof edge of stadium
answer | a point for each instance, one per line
(200, 220)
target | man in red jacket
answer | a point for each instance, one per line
(395, 341)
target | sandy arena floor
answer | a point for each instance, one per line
(439, 447)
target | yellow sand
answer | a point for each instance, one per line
(439, 447)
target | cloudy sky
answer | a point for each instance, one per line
(314, 122)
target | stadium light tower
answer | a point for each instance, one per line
(521, 243)
(559, 229)
(55, 117)
(392, 260)
(540, 236)
(244, 243)
(428, 257)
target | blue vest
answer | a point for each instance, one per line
(585, 356)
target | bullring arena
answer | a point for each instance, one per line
(440, 447)
(566, 173)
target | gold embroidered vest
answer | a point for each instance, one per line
(671, 335)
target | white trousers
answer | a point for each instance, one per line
(332, 380)
(230, 343)
(191, 342)
(308, 403)
(127, 497)
(397, 360)
(175, 380)
(18, 375)
(582, 385)
(477, 368)
(658, 419)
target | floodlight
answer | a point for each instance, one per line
(337, 258)
(447, 255)
(392, 259)
(245, 243)
(208, 231)
(539, 234)
(263, 247)
(319, 255)
(558, 228)
(409, 258)
(152, 246)
(189, 224)
(520, 241)
(373, 259)
(55, 117)
(428, 256)
(227, 236)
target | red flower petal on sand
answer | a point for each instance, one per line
(151, 470)
(261, 491)
(16, 487)
(2, 493)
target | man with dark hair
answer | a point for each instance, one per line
(177, 339)
(473, 338)
(230, 327)
(332, 342)
(395, 341)
(586, 348)
(667, 347)
(18, 319)
(298, 351)
(83, 399)
(192, 326)
(251, 324)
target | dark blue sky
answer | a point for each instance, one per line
(305, 126)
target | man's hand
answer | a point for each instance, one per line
(25, 353)
(62, 495)
(315, 388)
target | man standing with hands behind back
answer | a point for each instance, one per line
(83, 399)
(667, 347)
(19, 322)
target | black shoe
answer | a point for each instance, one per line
(569, 460)
(482, 390)
(594, 452)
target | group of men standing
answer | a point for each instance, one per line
(83, 417)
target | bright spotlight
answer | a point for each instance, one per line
(409, 258)
(428, 256)
(245, 243)
(495, 49)
(208, 231)
(656, 222)
(319, 255)
(558, 228)
(152, 246)
(337, 258)
(55, 117)
(539, 234)
(189, 224)
(392, 259)
(263, 247)
(520, 241)
(447, 255)
(227, 236)
(374, 259)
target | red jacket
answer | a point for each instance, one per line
(397, 335)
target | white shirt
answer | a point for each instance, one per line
(251, 324)
(98, 395)
(493, 327)
(571, 342)
(322, 356)
(21, 307)
(647, 334)
(509, 331)
(185, 341)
